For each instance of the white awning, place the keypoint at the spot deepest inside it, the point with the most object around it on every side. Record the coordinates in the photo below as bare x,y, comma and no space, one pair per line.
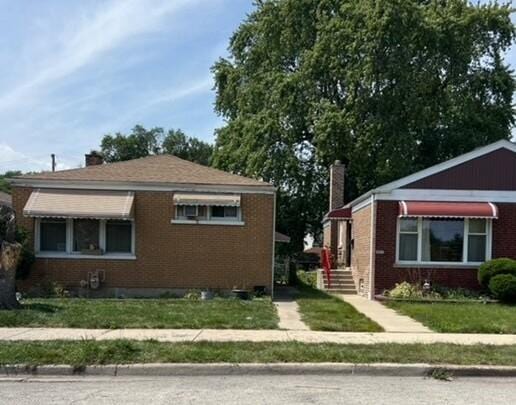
80,204
225,200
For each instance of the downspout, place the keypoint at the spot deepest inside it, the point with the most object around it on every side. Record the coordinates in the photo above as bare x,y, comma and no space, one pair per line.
273,242
373,249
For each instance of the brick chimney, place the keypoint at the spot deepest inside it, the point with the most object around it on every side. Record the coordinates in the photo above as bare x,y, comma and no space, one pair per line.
93,159
337,173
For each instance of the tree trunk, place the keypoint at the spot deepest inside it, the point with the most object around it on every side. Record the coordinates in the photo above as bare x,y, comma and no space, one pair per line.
9,257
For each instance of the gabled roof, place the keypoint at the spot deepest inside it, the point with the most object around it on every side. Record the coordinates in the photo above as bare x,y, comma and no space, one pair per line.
156,169
386,188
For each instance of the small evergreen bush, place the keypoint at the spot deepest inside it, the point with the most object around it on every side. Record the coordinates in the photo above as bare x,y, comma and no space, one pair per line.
494,267
503,287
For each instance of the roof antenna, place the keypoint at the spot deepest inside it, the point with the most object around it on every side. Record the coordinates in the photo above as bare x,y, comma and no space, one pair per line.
53,156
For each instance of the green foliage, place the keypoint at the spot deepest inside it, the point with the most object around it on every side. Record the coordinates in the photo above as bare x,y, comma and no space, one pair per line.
494,267
308,278
387,87
178,144
27,257
142,142
503,287
4,185
406,290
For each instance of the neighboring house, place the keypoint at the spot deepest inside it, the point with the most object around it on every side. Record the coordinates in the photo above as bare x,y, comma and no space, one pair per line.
5,199
147,226
438,224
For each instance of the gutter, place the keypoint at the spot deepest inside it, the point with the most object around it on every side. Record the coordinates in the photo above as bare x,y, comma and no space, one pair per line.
141,186
373,249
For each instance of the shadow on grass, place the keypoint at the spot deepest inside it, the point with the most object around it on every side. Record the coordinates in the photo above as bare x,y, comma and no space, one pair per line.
40,307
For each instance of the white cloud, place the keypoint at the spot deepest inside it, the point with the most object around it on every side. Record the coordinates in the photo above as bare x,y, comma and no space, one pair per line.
109,27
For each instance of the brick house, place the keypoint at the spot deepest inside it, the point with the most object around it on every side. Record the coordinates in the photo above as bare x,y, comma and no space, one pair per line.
147,226
438,224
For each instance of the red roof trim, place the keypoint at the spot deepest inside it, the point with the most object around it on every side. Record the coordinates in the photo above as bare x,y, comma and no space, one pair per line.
339,213
447,209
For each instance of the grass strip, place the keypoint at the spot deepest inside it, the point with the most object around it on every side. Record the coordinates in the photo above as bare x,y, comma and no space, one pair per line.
461,317
89,352
175,313
321,311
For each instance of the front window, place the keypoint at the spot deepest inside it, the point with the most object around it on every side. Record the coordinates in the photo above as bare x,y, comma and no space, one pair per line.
190,212
205,214
86,237
85,234
441,240
52,235
118,236
224,212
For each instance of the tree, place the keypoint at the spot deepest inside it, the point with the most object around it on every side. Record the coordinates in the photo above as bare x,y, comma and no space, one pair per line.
142,142
4,185
10,252
139,143
388,87
178,144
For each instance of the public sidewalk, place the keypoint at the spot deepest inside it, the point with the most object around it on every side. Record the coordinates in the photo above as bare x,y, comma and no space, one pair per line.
387,318
234,335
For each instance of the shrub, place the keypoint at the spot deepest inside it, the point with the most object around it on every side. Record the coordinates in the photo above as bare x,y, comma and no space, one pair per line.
406,290
27,257
494,267
308,278
503,287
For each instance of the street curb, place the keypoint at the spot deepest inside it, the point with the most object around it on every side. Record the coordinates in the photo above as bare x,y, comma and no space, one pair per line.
189,369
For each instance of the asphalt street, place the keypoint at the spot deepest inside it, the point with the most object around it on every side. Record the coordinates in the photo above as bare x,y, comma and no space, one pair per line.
263,389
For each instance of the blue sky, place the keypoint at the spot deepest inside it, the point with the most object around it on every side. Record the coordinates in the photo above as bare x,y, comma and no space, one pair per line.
72,71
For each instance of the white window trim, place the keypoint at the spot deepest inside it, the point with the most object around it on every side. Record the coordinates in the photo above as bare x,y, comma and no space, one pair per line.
231,221
463,263
70,254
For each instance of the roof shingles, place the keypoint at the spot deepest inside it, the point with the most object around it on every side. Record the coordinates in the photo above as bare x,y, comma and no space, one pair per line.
150,169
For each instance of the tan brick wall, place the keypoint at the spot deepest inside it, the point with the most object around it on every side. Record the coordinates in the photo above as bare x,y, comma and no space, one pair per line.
174,256
361,254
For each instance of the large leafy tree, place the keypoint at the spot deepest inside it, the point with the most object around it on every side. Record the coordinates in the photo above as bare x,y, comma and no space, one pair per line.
178,144
139,143
386,86
142,142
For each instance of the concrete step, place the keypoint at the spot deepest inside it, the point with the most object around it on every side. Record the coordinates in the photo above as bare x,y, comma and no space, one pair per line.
340,291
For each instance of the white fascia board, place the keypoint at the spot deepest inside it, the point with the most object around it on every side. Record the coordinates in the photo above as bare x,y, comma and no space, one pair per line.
128,186
449,195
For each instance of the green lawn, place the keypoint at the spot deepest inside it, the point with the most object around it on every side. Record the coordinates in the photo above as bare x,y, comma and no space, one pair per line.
461,317
81,353
321,311
143,313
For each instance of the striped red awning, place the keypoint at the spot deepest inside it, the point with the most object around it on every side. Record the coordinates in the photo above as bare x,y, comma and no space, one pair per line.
339,213
448,209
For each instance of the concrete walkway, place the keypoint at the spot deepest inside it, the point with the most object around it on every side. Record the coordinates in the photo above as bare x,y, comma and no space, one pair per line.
235,335
288,310
387,318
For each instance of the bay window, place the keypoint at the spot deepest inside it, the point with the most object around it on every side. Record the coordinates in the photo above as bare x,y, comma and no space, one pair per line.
443,240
